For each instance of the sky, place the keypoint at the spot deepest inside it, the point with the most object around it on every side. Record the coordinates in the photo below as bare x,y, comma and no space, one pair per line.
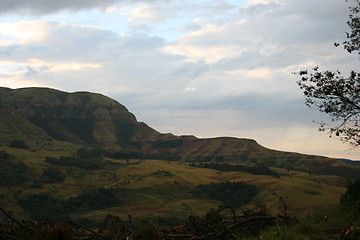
207,68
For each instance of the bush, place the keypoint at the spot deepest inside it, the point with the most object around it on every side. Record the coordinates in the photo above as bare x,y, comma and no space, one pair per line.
145,230
18,144
45,207
12,171
88,159
351,198
53,175
89,153
256,169
233,194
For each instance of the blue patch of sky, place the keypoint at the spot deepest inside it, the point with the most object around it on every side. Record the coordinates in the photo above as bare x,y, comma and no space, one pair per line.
6,38
10,68
97,18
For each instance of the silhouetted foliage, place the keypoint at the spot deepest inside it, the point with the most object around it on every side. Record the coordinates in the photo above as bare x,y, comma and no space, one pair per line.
221,223
335,95
351,197
145,230
234,194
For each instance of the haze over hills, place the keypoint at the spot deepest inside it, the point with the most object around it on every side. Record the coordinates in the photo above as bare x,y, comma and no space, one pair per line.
41,115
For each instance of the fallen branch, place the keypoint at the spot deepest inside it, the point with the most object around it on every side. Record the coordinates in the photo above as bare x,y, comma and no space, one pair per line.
16,221
238,224
87,229
7,236
178,235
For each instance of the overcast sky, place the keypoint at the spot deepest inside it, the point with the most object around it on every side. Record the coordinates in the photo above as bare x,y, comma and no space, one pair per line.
206,68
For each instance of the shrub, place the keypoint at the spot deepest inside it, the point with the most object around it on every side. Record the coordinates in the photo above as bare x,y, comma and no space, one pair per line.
234,194
145,230
256,169
351,197
53,175
12,171
18,144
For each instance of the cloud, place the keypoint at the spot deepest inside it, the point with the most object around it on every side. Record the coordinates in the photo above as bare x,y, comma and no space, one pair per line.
259,8
286,33
225,71
43,7
69,56
24,32
144,16
189,89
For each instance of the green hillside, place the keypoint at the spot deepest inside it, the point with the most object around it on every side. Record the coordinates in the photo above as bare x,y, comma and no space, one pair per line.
80,117
147,188
41,115
83,155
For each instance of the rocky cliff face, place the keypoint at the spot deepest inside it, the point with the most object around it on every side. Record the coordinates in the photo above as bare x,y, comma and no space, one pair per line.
40,115
80,117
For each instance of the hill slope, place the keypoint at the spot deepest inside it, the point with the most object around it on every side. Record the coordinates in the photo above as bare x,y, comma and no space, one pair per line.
88,156
41,115
80,117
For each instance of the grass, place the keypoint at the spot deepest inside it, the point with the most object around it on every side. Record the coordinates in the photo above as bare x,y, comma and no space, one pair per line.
331,223
149,194
14,127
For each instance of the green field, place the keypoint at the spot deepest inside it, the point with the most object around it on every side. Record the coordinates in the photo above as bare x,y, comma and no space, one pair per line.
158,188
141,172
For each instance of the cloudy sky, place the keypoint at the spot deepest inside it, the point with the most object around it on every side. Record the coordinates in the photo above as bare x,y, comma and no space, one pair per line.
206,68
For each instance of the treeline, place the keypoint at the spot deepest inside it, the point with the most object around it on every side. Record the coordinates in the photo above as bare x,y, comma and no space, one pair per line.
45,207
341,171
12,171
122,154
87,159
256,169
340,222
233,194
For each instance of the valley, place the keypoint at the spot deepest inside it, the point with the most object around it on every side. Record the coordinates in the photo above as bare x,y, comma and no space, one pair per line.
81,156
158,188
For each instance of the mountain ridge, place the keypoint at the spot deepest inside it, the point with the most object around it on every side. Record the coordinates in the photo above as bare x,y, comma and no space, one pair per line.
40,115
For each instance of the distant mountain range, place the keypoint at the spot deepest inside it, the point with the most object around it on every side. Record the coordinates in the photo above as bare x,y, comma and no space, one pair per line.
40,116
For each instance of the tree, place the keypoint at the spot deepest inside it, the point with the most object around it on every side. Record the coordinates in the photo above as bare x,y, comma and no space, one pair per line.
351,197
336,95
17,143
53,175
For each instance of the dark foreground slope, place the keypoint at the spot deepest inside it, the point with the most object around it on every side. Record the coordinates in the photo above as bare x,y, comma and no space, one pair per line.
39,116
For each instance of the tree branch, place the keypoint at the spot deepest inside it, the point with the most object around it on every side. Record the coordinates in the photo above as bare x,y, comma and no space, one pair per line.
18,222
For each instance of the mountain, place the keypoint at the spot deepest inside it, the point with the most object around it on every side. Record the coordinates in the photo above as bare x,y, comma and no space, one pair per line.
86,118
82,155
40,116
